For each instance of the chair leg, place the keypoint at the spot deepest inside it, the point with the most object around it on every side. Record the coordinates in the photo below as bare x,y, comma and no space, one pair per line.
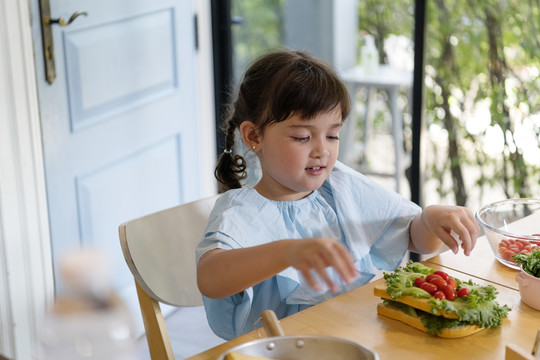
157,336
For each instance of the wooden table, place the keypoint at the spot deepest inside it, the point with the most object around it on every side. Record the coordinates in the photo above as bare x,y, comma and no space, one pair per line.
353,316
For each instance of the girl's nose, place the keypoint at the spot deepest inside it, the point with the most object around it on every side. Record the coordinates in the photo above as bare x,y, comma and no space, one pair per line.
320,150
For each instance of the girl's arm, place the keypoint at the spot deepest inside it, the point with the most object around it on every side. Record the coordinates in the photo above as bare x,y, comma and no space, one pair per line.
222,273
436,223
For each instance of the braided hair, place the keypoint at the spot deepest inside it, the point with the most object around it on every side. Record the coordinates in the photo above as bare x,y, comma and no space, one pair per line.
276,86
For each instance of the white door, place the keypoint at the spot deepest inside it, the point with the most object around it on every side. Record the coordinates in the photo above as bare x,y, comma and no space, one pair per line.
119,123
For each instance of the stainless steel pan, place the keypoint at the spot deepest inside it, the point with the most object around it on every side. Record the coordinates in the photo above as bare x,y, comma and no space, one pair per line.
297,347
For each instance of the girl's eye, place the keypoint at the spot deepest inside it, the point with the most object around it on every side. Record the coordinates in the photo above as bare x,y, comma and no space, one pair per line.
333,137
301,139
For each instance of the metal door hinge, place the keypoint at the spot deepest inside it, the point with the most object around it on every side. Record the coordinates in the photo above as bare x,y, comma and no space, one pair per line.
196,32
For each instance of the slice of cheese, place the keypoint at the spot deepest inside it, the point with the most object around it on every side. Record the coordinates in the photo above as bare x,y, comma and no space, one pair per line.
233,355
418,303
416,322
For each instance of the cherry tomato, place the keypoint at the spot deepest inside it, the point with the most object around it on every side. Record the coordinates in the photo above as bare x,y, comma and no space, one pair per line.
433,276
514,248
463,292
439,295
429,287
509,247
504,243
438,282
507,255
419,281
442,274
452,282
449,292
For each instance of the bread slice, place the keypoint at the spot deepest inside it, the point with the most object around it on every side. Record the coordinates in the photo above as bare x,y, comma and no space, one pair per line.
417,303
416,322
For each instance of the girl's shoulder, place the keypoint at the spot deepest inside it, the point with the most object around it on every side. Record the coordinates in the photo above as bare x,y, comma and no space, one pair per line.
229,197
244,198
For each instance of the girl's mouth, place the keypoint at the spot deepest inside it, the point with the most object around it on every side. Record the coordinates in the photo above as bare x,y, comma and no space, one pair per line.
315,170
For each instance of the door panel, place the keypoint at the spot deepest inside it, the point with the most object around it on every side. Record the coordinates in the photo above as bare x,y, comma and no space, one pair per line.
101,86
121,183
119,124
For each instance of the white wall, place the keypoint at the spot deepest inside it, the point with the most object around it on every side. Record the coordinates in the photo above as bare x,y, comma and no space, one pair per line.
26,281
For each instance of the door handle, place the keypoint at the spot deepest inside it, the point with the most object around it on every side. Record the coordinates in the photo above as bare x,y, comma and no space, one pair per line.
46,34
62,22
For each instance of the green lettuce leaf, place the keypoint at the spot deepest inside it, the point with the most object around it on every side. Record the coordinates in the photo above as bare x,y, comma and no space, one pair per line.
529,261
433,324
409,310
401,281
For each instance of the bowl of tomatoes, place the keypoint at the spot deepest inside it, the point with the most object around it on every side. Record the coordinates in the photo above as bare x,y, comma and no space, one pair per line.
511,226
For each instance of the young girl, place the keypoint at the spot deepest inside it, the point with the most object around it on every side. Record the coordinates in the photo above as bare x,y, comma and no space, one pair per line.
311,228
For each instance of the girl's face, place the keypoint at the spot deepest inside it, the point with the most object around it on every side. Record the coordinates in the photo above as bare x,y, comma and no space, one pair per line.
297,155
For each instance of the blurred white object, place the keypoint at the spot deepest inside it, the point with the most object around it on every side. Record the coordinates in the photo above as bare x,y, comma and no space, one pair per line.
369,56
88,320
86,274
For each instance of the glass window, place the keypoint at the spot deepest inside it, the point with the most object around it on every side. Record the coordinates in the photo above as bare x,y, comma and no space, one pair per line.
482,101
482,88
257,27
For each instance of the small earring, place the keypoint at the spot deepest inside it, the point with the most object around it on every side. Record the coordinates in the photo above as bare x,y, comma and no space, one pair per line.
253,147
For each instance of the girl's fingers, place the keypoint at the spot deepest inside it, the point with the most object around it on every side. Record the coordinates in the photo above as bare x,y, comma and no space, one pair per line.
344,264
320,265
339,258
448,239
474,230
314,256
324,276
467,230
465,237
306,272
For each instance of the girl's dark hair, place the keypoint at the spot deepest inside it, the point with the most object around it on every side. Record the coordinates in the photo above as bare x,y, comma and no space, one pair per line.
276,86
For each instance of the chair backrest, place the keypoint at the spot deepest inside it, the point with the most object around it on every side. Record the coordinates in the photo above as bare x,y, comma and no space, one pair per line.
159,250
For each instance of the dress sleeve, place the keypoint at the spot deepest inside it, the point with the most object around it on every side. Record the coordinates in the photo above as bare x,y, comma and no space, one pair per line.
375,220
216,236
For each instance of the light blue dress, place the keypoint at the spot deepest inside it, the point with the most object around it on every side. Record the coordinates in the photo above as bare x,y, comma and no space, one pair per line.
371,221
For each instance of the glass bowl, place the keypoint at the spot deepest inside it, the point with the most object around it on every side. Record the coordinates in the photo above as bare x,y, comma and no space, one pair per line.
511,226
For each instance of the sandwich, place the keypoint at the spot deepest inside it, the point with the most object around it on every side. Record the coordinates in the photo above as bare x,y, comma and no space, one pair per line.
438,304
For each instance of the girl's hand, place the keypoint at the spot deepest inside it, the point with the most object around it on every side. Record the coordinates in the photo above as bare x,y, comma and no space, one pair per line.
442,220
318,254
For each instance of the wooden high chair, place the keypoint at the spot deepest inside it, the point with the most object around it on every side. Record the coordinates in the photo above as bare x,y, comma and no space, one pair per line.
159,250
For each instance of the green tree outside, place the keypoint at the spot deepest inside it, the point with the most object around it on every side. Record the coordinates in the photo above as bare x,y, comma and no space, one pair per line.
482,86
